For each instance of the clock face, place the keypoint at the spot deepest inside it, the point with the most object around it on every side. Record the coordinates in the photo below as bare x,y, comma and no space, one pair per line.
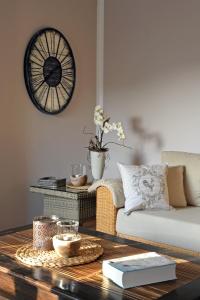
49,71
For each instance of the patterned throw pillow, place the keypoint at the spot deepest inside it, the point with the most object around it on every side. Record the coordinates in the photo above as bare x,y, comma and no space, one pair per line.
145,187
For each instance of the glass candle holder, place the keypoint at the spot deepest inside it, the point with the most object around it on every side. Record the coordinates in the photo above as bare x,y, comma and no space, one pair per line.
67,241
78,175
67,227
44,228
78,170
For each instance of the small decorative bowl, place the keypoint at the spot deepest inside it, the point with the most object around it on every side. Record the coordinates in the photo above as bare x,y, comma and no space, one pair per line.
67,244
78,180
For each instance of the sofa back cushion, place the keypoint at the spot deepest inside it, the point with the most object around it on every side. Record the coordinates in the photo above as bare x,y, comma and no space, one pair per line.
176,187
191,162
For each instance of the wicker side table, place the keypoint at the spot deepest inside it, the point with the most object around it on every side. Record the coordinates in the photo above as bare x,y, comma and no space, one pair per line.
67,203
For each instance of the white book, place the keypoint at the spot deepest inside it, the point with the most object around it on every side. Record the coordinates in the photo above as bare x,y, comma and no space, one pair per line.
140,269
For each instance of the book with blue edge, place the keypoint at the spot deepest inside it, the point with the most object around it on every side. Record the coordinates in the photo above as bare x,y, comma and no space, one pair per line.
139,269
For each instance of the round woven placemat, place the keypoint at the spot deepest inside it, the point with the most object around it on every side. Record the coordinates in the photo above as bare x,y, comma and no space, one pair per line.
89,251
81,188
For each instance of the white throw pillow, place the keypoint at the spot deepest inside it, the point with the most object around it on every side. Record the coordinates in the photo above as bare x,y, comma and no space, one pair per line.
145,187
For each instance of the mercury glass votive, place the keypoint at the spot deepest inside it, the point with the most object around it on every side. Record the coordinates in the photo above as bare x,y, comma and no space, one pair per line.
44,228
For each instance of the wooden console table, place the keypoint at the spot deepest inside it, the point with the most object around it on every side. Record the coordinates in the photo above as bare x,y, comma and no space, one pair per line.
67,203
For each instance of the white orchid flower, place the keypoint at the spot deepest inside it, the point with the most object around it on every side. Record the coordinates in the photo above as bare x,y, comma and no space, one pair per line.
114,126
105,130
118,125
99,109
122,137
98,117
108,126
104,127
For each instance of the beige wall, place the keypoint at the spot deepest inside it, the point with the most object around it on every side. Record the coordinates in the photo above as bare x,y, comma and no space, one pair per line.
34,144
152,76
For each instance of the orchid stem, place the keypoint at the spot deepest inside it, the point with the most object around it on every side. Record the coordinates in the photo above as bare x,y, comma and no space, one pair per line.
117,144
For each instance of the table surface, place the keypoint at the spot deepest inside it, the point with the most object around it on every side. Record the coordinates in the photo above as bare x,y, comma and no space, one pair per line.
18,281
63,192
64,188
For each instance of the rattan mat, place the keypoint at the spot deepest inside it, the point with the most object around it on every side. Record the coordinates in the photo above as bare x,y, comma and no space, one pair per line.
80,188
89,251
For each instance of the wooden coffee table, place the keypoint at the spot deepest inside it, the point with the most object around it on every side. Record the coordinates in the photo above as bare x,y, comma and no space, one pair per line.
18,281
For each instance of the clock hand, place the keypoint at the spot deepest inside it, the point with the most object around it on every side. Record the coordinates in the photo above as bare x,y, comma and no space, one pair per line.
51,72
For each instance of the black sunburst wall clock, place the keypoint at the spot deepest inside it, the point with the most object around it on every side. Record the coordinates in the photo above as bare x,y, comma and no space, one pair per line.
49,71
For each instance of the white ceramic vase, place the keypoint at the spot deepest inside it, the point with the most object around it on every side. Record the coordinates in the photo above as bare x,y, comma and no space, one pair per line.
97,160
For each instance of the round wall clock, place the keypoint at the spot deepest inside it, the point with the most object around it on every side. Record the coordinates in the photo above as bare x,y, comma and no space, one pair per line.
49,71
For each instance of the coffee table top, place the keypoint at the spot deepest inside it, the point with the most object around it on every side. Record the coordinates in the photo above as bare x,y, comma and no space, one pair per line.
86,281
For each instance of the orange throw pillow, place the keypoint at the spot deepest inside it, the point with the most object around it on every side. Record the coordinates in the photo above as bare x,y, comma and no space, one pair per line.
176,187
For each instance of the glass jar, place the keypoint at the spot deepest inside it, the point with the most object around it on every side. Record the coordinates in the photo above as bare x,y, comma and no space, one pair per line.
78,175
67,242
78,170
67,227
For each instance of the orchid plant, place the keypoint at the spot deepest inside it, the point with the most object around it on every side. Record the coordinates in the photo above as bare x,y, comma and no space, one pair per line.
104,126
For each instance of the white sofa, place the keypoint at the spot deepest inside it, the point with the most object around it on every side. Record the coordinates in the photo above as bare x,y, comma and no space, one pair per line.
179,227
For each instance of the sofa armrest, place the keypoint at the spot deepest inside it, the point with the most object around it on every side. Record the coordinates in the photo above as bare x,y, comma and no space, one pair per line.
106,212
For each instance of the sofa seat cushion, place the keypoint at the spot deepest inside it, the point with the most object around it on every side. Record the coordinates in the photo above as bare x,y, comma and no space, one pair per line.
180,227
